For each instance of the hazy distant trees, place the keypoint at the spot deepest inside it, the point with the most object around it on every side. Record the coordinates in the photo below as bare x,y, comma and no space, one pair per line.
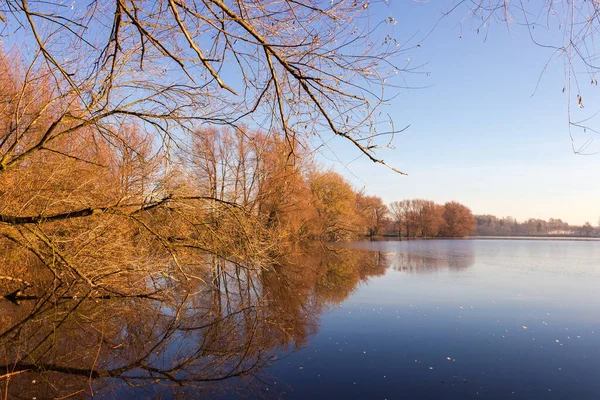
587,229
489,225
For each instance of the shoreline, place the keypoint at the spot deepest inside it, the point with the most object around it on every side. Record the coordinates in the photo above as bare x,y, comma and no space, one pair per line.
550,238
557,238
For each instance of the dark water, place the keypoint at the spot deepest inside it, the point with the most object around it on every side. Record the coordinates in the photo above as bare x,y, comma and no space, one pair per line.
461,319
372,320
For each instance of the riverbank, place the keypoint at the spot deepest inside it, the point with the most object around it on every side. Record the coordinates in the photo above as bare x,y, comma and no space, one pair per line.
559,238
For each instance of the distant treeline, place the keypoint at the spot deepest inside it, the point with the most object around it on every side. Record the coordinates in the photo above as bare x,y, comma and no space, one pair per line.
364,215
420,218
489,225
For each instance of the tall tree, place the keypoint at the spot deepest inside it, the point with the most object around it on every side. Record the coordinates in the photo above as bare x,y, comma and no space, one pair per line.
373,212
397,215
334,201
458,220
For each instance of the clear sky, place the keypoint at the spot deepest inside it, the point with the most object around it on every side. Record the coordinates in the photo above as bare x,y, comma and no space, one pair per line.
478,134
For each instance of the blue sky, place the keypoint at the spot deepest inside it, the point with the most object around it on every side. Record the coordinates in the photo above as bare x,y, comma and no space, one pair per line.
478,133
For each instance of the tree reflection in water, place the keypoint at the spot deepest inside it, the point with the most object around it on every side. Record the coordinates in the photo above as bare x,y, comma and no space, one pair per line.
425,263
422,256
184,338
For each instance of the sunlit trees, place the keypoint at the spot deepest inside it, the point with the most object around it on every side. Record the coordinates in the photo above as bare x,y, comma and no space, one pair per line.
103,105
427,218
256,171
373,212
401,214
284,195
335,203
69,191
397,215
458,220
417,218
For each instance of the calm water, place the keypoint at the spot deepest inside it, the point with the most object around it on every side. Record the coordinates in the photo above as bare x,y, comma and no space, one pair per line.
448,319
460,319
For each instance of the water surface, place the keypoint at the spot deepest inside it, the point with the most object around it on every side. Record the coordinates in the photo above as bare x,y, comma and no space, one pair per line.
487,319
452,319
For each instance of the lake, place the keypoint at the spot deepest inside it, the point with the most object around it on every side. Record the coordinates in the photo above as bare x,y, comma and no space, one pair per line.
452,319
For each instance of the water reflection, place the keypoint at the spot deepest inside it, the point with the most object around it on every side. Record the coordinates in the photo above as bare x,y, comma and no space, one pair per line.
427,319
424,256
184,339
420,263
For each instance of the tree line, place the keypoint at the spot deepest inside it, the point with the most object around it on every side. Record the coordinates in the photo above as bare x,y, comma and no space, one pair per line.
107,206
490,225
295,200
137,138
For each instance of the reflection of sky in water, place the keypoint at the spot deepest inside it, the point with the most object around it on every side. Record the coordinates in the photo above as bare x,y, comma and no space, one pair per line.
450,319
459,319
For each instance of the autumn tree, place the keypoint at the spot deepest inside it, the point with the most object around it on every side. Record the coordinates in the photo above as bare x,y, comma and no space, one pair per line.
402,214
426,218
397,214
458,220
256,171
373,213
335,203
417,217
284,195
